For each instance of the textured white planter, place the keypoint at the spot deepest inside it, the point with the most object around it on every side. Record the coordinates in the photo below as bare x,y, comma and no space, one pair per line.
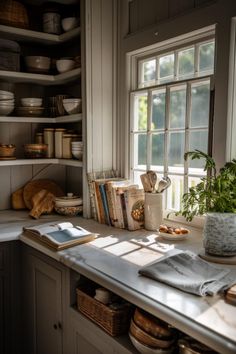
220,234
153,211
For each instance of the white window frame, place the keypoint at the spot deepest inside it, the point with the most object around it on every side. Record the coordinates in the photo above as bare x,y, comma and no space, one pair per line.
173,45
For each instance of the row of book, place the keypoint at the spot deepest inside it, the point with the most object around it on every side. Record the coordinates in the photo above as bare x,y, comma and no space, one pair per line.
117,202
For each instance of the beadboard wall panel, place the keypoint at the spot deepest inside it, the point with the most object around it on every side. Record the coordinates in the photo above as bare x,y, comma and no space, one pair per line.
100,46
57,173
5,186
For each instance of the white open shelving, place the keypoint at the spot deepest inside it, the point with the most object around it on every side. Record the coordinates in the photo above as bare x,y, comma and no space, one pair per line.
62,119
25,35
40,79
22,162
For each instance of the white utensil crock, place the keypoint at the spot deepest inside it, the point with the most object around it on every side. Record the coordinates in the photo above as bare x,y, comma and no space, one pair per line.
153,211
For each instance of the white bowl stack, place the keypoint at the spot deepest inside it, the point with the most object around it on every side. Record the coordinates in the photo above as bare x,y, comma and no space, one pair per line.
77,150
72,105
7,102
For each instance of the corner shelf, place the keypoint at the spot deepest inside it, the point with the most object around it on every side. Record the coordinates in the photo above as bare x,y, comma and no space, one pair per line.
22,162
40,79
61,119
25,35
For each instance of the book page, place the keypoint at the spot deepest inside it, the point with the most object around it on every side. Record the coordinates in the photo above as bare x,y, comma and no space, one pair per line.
41,229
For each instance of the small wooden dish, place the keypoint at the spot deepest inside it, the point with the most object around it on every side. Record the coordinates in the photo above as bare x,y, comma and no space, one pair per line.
7,150
147,339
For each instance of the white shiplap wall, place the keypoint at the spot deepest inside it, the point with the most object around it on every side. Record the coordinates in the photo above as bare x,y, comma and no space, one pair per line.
100,37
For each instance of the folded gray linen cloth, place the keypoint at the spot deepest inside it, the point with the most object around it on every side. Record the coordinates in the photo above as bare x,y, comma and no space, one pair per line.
188,272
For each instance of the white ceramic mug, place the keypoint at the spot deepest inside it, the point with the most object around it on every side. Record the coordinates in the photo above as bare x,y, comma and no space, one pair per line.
153,211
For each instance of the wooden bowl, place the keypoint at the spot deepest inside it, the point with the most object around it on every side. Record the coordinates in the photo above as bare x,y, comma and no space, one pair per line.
34,151
147,339
152,325
145,349
7,150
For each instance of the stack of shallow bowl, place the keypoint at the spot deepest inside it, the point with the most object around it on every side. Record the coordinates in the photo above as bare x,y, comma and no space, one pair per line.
150,335
69,205
37,64
77,150
7,102
35,151
31,107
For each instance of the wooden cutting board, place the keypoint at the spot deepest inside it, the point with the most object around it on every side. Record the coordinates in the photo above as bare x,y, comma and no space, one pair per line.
43,203
17,201
33,187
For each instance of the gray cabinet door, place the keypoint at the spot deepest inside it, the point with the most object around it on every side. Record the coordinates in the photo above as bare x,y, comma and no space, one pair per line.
43,306
9,298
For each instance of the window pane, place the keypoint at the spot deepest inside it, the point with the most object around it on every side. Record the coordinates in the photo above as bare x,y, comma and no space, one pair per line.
158,109
175,192
193,181
177,107
198,140
206,56
166,65
176,151
186,62
199,116
140,151
158,151
140,112
149,70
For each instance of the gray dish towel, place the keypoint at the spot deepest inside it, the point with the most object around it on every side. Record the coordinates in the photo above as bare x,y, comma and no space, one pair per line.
188,272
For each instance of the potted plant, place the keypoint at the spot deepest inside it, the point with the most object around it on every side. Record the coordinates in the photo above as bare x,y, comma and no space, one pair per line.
214,196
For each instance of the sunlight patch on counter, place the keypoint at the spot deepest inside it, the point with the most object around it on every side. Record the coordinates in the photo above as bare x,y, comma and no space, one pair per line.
102,242
122,248
142,256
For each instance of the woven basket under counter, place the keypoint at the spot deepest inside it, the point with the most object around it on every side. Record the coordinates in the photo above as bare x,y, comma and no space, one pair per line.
114,322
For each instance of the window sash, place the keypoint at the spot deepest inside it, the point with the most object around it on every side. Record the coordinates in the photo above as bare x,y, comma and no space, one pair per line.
185,173
157,56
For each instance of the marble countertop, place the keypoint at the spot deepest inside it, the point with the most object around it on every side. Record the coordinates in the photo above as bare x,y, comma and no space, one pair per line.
113,261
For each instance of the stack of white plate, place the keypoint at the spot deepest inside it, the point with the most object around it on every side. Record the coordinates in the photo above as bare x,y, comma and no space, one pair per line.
7,102
77,149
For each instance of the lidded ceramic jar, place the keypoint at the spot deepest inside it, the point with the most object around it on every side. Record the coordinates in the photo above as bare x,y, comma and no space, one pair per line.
48,137
51,19
58,142
66,146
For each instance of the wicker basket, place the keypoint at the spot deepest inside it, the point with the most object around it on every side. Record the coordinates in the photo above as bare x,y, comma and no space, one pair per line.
13,13
7,150
114,322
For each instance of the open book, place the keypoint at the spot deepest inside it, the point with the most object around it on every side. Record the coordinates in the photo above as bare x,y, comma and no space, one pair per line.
58,236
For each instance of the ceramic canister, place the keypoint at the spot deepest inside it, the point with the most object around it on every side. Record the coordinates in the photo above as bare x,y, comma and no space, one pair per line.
153,211
48,137
58,142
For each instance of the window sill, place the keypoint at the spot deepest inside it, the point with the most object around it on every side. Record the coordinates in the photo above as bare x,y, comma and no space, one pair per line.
197,222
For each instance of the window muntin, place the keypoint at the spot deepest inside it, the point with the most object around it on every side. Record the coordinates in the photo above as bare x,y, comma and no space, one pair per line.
188,62
175,120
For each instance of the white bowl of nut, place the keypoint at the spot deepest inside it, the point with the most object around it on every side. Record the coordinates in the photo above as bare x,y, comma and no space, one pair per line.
173,233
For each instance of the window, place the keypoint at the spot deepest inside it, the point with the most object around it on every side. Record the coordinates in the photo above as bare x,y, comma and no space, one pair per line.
170,110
